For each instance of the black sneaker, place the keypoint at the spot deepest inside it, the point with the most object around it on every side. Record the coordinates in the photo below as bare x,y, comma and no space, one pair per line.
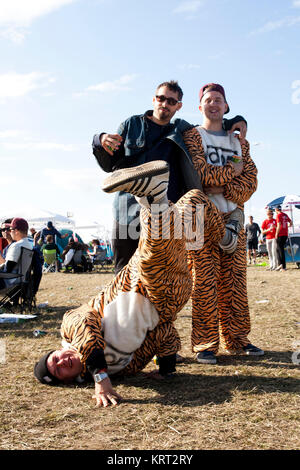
252,350
206,357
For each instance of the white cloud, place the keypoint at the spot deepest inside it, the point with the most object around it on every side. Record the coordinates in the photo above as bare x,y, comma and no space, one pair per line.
10,133
296,3
17,139
15,35
82,179
5,159
188,7
190,66
9,181
16,16
120,84
14,85
273,25
39,146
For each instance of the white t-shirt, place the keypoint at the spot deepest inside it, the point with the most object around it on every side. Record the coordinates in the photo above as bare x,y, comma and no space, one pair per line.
14,254
218,147
127,320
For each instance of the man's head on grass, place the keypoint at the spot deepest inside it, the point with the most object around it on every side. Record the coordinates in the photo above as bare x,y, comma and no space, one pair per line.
58,366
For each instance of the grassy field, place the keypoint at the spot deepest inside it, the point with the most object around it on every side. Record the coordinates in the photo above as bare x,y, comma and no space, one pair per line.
241,403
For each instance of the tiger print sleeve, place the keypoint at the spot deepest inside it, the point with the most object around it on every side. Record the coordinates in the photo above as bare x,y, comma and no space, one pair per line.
210,175
241,188
82,329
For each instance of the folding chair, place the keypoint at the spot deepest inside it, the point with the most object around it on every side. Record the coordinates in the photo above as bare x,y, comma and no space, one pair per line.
50,261
100,259
21,291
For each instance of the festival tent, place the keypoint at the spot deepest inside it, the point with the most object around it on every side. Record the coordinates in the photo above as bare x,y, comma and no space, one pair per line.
62,242
291,205
98,232
38,218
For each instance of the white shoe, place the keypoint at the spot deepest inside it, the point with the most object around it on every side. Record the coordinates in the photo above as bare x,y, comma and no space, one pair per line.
279,268
149,180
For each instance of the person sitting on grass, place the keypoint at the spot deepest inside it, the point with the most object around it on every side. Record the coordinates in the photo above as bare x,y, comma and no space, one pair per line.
73,256
121,329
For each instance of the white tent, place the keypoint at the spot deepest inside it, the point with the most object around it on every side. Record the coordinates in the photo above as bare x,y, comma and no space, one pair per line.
89,232
38,218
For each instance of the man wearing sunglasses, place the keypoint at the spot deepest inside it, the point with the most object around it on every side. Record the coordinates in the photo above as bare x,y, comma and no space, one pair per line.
141,139
6,234
3,241
18,229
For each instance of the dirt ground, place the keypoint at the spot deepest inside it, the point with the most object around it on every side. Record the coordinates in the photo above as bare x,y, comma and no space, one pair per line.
241,403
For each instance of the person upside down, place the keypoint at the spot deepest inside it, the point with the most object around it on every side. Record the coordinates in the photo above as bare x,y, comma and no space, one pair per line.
121,329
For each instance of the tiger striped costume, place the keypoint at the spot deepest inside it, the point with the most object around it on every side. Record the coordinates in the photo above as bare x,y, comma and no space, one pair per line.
219,300
132,319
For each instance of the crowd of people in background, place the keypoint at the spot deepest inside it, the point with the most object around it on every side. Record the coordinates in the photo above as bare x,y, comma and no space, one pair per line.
15,234
274,233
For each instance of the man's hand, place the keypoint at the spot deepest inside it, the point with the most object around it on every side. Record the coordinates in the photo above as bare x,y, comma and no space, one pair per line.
105,394
240,126
110,142
238,167
210,190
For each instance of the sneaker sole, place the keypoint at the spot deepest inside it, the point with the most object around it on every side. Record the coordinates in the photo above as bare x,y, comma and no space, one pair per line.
253,353
241,352
157,167
204,361
207,361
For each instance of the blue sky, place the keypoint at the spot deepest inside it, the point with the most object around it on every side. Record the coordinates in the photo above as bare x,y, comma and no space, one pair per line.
72,68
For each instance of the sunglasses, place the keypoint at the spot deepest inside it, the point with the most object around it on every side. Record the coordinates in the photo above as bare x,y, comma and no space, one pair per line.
170,101
5,229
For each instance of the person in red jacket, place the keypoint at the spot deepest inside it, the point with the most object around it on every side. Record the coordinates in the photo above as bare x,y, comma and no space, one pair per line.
269,230
282,231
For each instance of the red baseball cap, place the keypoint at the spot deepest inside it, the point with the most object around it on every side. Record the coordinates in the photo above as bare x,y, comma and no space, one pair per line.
213,87
19,224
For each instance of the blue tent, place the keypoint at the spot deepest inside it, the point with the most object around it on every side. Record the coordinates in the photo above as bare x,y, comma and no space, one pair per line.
62,242
285,201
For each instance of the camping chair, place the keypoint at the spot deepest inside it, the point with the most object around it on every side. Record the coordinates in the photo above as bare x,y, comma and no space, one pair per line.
21,291
50,261
100,259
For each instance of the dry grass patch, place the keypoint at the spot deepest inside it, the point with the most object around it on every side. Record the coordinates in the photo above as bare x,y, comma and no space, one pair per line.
242,403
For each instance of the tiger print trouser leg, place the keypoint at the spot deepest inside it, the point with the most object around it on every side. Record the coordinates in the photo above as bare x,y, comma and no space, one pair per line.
164,271
232,299
219,298
162,341
205,269
163,263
